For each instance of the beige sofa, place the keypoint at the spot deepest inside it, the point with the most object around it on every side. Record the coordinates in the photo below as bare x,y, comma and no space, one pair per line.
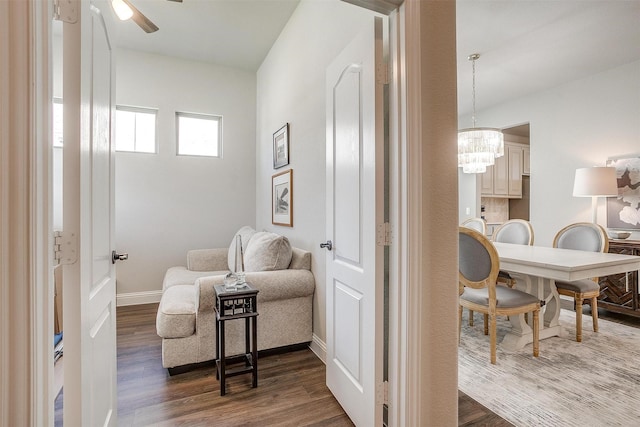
282,275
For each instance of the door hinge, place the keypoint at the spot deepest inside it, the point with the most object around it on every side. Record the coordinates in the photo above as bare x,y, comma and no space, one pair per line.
382,393
65,11
65,247
383,234
382,73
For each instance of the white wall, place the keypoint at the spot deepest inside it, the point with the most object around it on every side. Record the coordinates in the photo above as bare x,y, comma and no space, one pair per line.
291,89
575,125
168,204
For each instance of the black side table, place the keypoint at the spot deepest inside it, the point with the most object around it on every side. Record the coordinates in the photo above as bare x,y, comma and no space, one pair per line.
240,303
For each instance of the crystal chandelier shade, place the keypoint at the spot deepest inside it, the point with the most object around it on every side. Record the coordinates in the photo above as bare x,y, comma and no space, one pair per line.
478,147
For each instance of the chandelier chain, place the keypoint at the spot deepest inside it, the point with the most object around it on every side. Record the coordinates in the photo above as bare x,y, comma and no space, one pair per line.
473,89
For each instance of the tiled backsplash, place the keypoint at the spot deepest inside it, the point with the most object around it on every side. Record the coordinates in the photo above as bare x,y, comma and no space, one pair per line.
496,210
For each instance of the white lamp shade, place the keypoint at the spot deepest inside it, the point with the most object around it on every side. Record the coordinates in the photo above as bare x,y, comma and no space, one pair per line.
595,182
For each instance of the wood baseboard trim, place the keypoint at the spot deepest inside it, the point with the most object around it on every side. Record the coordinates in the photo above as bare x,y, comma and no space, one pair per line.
319,348
136,298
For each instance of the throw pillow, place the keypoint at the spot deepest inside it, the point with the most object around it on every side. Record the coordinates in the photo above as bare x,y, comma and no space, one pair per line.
267,252
246,233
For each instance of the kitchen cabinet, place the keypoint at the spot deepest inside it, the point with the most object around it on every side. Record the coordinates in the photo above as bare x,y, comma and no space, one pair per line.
619,292
504,178
526,160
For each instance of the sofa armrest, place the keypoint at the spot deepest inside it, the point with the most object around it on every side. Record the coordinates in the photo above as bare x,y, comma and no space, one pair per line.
207,259
282,284
206,294
272,286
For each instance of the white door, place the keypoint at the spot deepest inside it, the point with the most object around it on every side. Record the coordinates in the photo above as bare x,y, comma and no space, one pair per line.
355,198
89,275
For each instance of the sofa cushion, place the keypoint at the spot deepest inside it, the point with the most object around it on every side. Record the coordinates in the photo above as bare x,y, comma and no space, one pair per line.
177,312
245,233
181,276
267,252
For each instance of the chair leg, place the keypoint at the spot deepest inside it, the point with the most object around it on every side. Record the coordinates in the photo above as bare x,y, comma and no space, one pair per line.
470,317
459,323
492,338
536,333
486,324
578,300
594,313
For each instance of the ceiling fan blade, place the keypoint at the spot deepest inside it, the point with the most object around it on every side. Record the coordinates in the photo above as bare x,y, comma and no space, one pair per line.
142,21
177,1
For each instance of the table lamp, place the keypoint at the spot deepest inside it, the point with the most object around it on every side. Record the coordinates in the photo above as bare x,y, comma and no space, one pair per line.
594,182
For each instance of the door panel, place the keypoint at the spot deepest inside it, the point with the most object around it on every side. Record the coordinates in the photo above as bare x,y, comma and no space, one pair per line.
347,354
355,197
90,285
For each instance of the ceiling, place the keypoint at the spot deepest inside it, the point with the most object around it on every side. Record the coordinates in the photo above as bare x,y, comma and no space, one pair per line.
233,33
526,45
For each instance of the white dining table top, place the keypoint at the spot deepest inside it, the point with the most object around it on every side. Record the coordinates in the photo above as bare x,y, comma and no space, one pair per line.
562,264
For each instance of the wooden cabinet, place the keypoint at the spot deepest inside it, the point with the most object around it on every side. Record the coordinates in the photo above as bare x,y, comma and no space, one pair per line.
619,292
526,160
514,181
504,178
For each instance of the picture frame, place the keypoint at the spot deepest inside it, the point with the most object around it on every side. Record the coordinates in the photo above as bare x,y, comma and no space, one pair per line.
282,198
281,147
623,211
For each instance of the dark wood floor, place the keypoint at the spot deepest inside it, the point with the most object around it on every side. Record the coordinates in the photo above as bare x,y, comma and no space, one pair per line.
291,390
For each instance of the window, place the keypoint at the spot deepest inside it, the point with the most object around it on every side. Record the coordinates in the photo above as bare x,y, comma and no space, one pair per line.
136,129
199,134
57,122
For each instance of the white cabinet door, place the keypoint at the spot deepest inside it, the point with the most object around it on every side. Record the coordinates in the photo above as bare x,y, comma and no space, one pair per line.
486,182
514,154
501,175
526,161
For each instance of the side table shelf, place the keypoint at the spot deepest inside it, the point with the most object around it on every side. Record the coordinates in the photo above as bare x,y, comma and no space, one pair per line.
619,292
241,303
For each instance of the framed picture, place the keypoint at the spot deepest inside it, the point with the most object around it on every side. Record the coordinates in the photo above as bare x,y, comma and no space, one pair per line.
623,212
282,198
281,147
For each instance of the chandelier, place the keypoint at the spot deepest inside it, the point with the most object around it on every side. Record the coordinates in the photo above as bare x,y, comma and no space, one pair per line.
478,147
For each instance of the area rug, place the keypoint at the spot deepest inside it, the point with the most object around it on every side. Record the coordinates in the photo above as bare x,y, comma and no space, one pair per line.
592,383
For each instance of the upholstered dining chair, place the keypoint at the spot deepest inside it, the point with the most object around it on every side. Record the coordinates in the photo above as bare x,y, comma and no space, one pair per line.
515,231
584,236
478,269
478,224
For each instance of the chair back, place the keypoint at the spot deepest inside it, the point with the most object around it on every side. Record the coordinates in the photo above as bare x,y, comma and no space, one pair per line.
516,231
583,236
477,224
478,260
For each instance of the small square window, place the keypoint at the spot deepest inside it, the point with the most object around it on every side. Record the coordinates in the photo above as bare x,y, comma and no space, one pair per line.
199,134
136,129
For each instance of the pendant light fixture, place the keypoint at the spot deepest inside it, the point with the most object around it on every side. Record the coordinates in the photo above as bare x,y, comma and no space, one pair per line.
478,147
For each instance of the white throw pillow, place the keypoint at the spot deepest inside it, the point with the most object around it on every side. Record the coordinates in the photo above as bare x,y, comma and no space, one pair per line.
267,252
246,233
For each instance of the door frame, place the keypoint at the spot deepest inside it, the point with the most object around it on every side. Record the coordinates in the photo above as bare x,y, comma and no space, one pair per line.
26,326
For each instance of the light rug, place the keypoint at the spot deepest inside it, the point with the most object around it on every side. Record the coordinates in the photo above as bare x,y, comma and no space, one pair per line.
592,383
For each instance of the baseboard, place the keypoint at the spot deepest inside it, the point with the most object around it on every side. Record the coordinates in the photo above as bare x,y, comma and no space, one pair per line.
136,298
319,348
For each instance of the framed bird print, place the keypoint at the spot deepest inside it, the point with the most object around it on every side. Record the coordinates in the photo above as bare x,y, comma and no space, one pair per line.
282,198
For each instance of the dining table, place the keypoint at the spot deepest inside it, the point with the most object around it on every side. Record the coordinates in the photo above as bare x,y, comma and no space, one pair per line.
536,268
